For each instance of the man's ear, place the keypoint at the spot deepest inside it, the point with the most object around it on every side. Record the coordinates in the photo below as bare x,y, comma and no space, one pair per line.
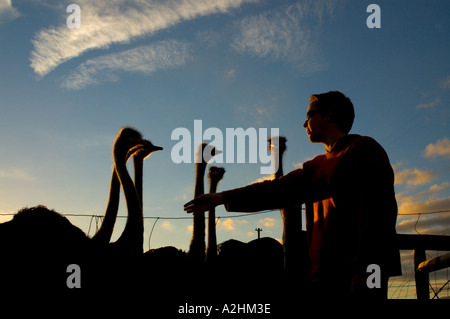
327,116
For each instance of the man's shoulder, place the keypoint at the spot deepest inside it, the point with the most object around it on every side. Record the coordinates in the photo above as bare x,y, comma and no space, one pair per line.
362,141
352,144
366,146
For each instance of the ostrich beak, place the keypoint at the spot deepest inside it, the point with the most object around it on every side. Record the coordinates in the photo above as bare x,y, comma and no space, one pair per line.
149,146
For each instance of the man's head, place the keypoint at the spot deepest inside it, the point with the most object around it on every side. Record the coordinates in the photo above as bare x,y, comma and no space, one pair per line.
331,110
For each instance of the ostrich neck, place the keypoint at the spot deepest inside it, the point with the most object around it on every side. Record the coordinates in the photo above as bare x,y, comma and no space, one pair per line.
278,162
132,236
197,245
138,162
213,185
103,235
211,250
199,179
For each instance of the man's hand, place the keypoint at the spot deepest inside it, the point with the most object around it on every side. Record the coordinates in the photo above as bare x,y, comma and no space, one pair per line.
203,203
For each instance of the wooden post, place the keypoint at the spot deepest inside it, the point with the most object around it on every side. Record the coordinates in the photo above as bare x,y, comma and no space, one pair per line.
259,230
422,279
435,264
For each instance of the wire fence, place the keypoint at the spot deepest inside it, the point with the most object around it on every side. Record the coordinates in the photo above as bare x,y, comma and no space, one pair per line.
401,287
404,287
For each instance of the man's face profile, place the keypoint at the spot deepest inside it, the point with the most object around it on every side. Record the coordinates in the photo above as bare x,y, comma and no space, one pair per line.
314,123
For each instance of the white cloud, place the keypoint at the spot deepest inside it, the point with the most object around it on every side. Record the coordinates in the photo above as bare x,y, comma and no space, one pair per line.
267,222
430,105
7,11
283,35
167,225
144,59
264,178
208,38
432,224
415,205
229,224
445,84
414,177
258,114
440,148
230,74
105,22
297,165
300,164
16,174
434,199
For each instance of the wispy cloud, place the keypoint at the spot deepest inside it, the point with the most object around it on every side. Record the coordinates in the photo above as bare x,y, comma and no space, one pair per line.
7,11
429,105
167,225
267,222
144,59
258,114
413,177
230,224
439,93
105,22
16,173
284,34
432,224
445,84
208,38
440,148
433,200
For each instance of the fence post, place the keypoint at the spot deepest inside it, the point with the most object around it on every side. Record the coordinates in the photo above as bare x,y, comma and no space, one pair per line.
422,279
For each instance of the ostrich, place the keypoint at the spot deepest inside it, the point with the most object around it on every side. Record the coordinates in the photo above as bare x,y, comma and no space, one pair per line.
215,176
104,233
132,238
205,153
294,240
42,243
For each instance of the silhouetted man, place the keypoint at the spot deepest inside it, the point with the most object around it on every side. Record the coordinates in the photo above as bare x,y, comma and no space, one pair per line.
348,193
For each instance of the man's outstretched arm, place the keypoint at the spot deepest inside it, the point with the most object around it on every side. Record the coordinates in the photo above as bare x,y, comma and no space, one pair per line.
289,190
204,203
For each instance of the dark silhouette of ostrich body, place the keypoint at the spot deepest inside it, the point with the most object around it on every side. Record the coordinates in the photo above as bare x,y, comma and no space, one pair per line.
41,243
247,264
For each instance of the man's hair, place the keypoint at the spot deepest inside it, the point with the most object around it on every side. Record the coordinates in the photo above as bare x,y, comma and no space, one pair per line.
338,106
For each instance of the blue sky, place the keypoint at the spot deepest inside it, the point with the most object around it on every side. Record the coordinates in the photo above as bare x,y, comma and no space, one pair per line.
160,65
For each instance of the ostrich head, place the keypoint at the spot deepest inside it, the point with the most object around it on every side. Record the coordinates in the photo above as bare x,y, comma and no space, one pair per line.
205,152
216,173
130,142
277,144
143,149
